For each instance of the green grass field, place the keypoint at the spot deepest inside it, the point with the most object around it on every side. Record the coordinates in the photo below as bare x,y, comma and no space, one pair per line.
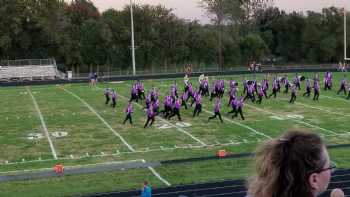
95,134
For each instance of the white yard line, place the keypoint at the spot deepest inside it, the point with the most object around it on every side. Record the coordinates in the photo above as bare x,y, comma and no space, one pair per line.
318,108
164,149
241,125
157,175
183,131
321,109
298,121
177,127
334,98
161,119
295,120
54,153
116,154
316,127
104,122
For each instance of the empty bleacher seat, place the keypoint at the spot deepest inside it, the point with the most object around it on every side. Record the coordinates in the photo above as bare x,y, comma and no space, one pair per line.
28,72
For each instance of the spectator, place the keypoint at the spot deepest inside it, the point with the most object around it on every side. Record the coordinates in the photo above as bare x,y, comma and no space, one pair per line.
92,79
252,66
95,77
340,66
337,193
296,164
343,68
257,67
146,190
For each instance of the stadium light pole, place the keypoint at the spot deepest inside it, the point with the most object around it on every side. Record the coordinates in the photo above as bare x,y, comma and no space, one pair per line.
132,39
345,45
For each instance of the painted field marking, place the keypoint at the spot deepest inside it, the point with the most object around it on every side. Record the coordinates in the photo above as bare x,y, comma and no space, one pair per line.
295,116
156,174
167,122
241,125
183,124
286,117
103,120
163,126
116,82
295,120
318,108
72,167
43,123
59,134
302,122
35,136
277,117
118,154
334,98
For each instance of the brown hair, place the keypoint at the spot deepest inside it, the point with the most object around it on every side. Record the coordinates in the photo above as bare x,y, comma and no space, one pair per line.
284,165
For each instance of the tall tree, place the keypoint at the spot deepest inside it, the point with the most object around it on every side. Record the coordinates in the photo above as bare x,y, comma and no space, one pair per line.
78,11
118,53
217,11
312,36
252,7
253,47
95,43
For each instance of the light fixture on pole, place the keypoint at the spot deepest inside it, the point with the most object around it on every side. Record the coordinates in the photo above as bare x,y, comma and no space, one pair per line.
132,39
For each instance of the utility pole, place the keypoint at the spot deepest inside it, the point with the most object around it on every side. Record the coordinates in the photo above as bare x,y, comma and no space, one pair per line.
132,39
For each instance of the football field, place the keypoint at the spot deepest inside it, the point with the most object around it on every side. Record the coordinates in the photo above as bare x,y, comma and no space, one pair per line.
70,124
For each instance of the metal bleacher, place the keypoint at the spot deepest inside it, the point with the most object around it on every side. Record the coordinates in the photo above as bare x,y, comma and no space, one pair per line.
22,70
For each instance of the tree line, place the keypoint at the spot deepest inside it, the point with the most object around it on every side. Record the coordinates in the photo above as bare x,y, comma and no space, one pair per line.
77,35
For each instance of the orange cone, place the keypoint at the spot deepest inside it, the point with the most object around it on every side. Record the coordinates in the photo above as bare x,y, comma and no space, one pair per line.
59,169
221,153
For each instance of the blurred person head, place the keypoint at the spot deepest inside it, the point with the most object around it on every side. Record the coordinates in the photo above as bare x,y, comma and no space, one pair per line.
295,164
337,193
